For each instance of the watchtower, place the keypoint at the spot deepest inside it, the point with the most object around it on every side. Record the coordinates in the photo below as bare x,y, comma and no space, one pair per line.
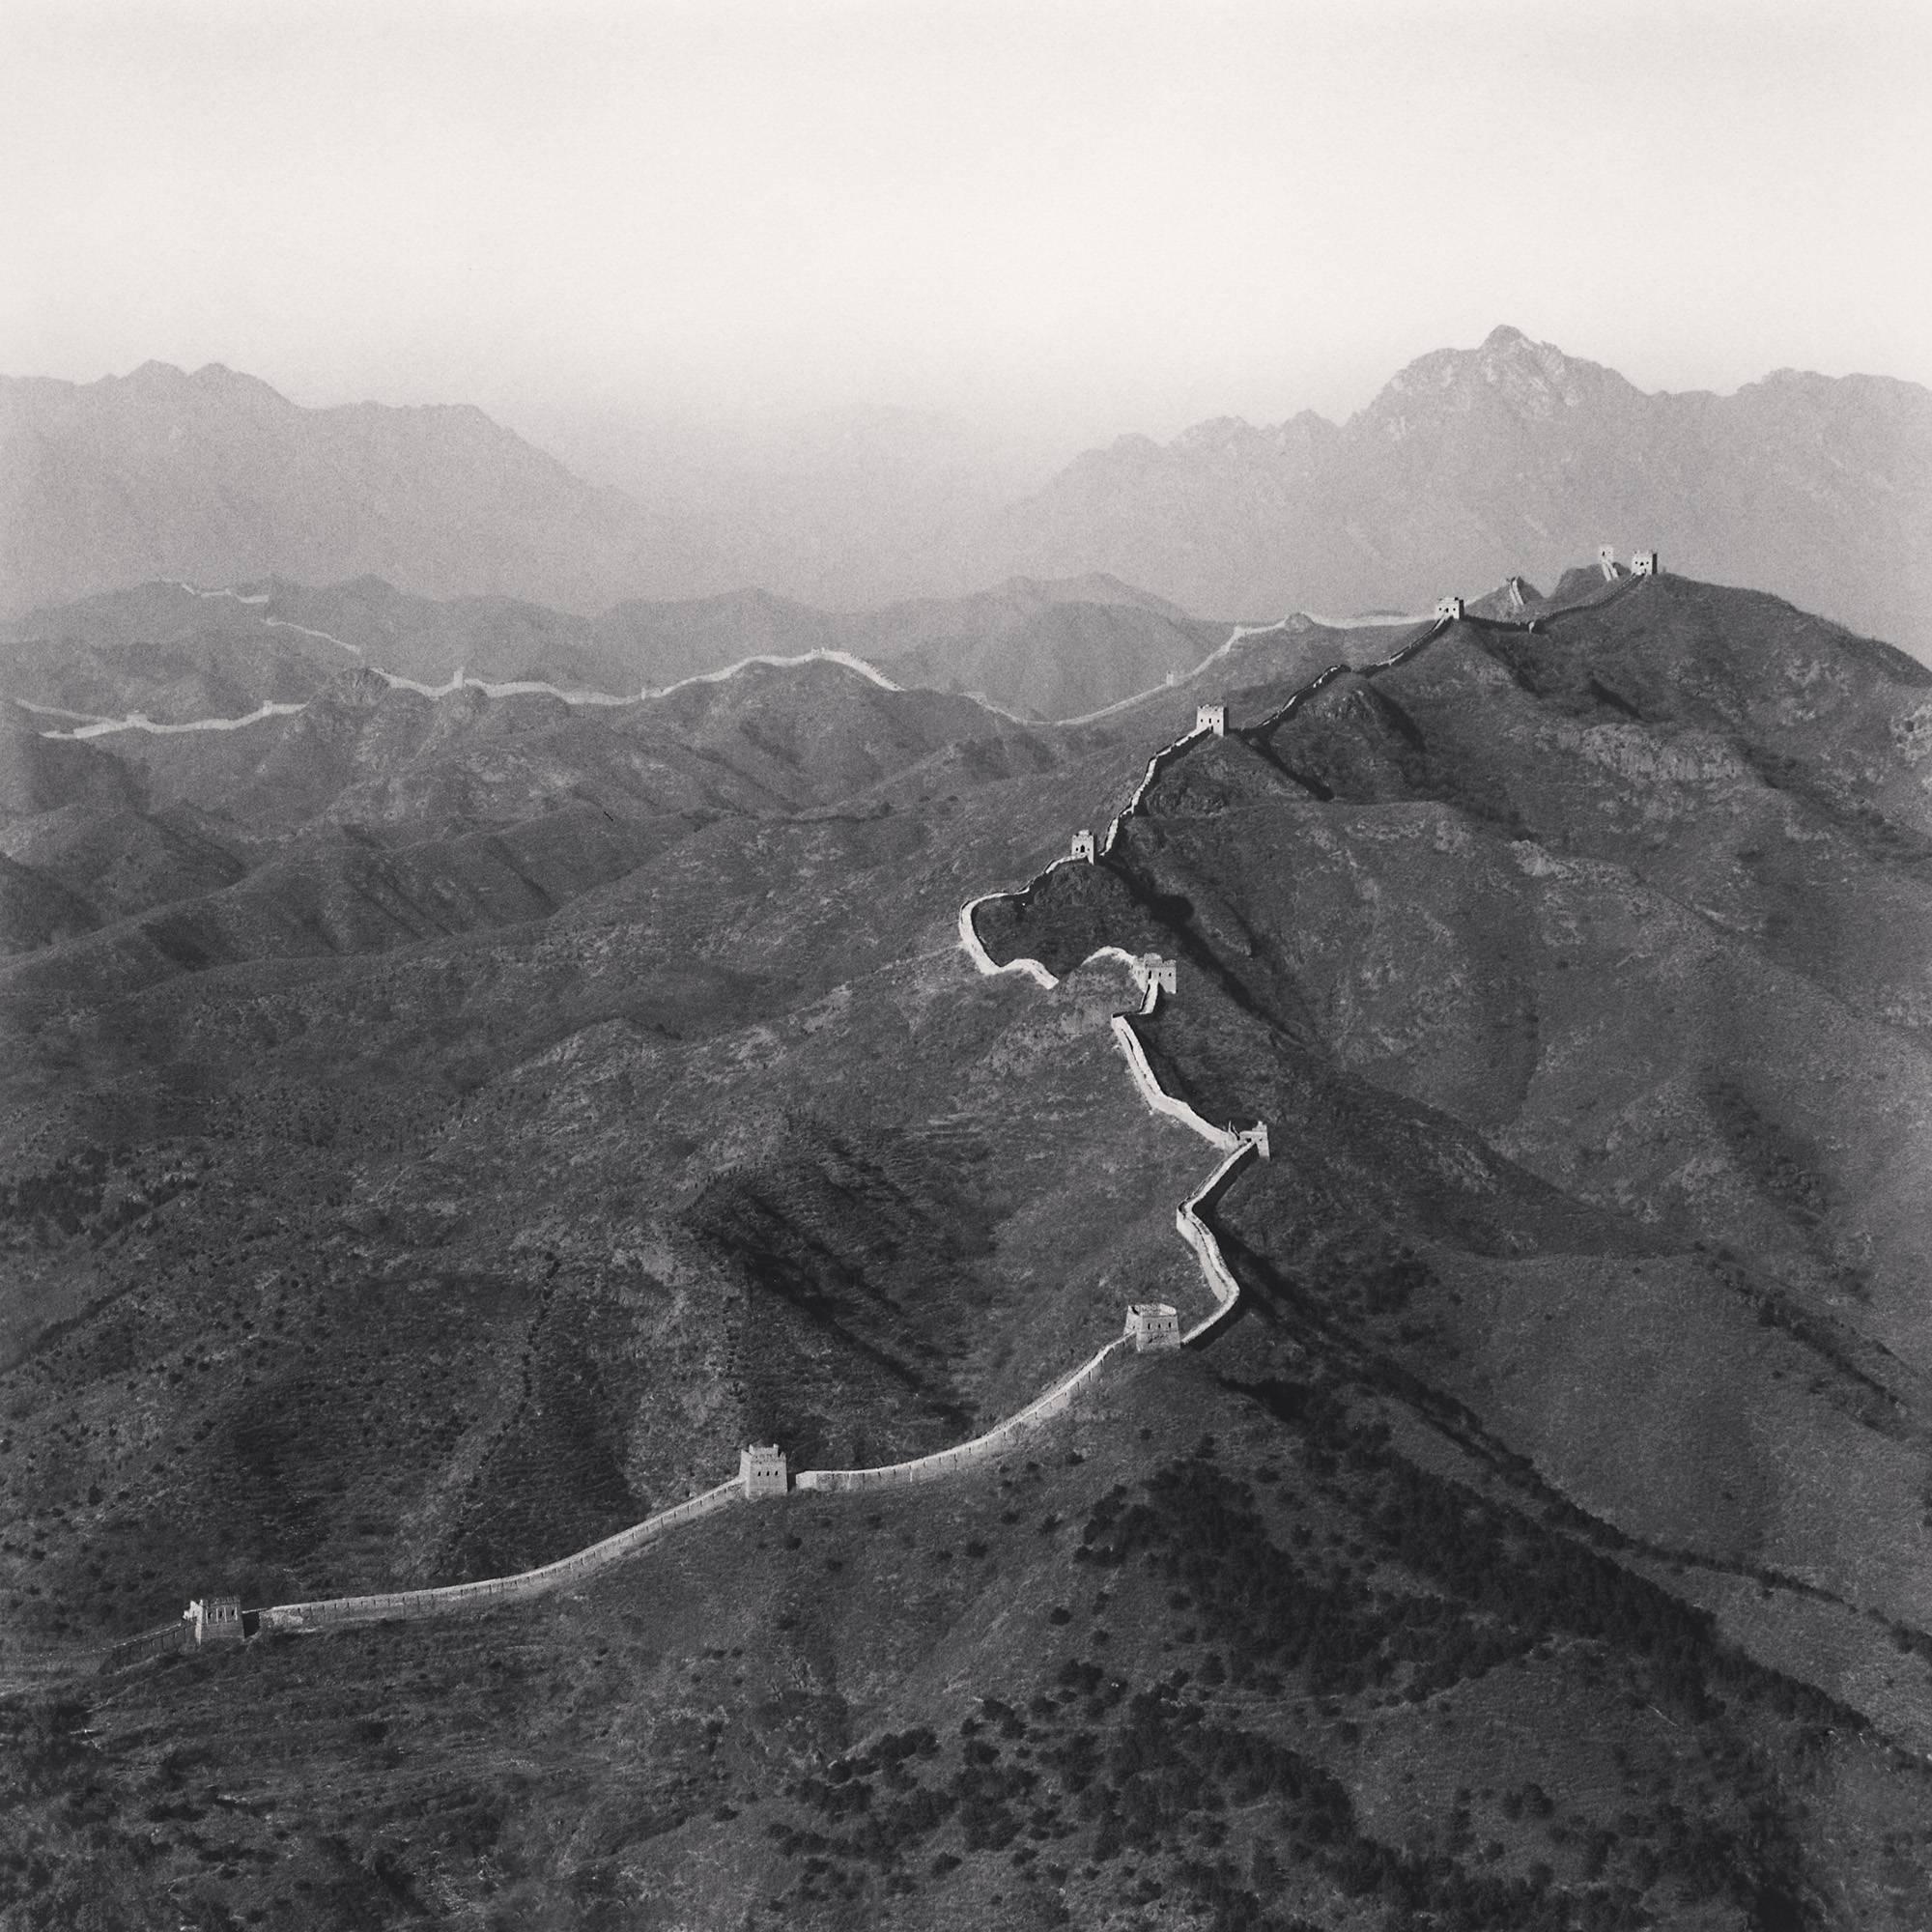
1211,718
1084,848
215,1619
1644,563
1256,1137
1450,607
762,1468
1606,561
1153,1324
1151,970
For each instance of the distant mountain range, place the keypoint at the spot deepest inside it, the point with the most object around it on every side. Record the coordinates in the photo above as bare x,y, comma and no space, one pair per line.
216,478
1469,465
1512,457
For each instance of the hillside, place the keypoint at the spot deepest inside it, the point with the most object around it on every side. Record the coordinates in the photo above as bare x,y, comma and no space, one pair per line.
175,653
1513,456
556,1097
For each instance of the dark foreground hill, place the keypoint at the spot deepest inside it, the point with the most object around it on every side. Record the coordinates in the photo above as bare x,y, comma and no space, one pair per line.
1542,1548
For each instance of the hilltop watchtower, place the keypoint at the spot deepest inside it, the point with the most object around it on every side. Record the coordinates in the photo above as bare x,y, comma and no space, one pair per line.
1211,718
1450,607
762,1468
1256,1137
1085,850
1151,970
1644,563
1153,1324
214,1619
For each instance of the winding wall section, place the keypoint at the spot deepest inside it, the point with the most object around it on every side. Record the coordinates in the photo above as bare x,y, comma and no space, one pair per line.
1236,1150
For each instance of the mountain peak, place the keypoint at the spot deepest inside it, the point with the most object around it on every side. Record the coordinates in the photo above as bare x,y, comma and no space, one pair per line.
1528,380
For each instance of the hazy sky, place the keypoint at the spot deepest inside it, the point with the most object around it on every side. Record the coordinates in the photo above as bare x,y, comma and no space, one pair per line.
1100,216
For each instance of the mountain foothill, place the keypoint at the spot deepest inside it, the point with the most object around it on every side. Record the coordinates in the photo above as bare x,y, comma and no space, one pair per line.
444,1127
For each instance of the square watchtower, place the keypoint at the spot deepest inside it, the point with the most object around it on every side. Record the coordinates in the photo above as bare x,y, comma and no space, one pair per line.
762,1468
214,1619
1085,850
1450,607
1644,563
1213,718
1153,1324
1151,970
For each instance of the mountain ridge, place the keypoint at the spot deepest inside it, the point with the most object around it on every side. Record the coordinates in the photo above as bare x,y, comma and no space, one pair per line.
1470,464
217,476
1465,465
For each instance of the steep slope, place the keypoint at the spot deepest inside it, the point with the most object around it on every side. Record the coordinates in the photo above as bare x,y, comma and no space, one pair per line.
1511,456
1578,957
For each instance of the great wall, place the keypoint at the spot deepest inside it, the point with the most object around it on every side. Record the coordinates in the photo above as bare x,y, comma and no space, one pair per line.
762,1471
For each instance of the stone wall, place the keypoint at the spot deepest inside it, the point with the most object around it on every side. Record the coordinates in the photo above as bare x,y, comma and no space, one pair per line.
335,1612
1196,1233
981,1449
1158,1099
338,1612
158,1642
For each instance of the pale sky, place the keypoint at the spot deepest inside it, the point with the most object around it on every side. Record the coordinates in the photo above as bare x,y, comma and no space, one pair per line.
1102,216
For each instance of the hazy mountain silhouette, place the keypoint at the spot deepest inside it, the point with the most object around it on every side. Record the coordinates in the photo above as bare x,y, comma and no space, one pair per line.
1513,456
215,478
1469,465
